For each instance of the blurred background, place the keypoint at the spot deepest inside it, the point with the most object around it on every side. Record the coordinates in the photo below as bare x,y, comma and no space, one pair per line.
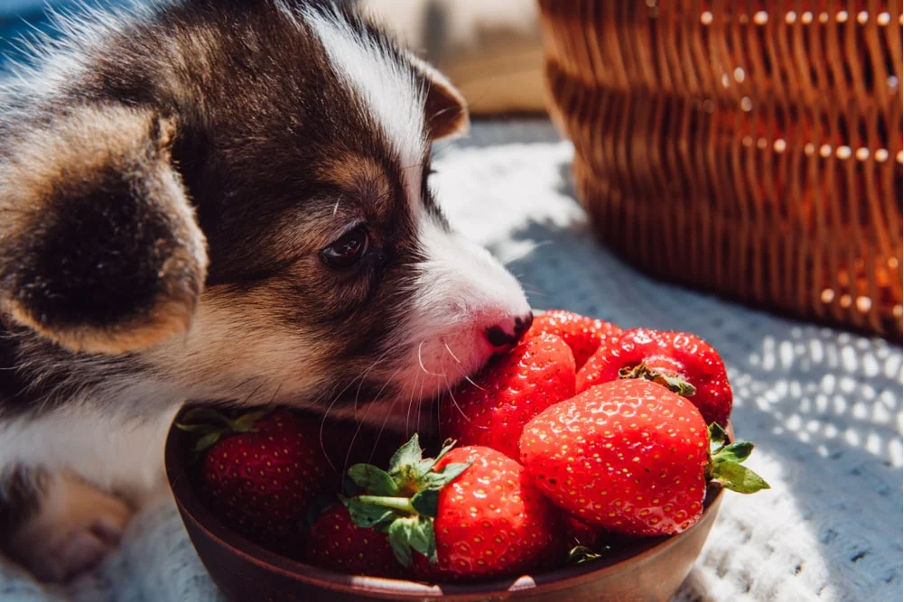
18,18
491,50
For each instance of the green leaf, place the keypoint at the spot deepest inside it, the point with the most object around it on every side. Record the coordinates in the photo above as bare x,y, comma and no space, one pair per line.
674,383
368,515
420,470
438,480
426,502
420,535
203,415
408,455
448,444
398,540
412,534
638,371
582,554
737,477
373,480
196,428
208,441
725,467
736,452
245,423
716,432
349,488
453,469
717,437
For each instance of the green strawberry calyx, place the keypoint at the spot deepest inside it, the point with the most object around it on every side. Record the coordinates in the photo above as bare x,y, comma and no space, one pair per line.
580,554
403,501
211,425
725,468
672,382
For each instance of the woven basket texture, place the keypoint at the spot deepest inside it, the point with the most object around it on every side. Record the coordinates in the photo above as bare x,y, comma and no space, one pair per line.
749,148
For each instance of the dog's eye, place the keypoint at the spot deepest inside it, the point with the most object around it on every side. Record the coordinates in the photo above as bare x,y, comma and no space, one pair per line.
347,250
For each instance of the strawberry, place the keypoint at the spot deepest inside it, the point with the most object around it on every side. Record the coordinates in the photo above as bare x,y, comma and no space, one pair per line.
632,457
489,521
347,442
579,533
583,334
588,542
684,363
335,542
259,471
492,410
469,513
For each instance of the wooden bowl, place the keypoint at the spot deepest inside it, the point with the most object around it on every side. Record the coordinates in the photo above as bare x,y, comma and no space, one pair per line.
650,569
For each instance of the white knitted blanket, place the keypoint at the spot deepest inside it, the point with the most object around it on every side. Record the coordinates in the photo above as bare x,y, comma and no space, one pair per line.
824,406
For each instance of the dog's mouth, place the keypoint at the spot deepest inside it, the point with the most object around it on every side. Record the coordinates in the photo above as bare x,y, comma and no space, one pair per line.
404,404
394,413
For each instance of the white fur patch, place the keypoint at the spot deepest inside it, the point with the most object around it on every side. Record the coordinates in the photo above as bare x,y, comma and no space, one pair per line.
389,90
468,279
461,291
110,452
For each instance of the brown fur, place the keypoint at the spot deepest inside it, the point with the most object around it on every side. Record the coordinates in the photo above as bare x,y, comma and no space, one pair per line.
358,175
207,122
71,159
169,202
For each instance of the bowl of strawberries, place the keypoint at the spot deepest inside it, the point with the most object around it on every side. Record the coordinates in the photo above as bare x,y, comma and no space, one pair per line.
586,463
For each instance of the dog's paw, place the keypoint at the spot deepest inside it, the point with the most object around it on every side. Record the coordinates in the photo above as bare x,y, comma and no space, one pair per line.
75,528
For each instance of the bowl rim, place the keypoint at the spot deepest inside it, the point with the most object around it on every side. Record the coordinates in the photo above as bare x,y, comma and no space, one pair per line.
192,509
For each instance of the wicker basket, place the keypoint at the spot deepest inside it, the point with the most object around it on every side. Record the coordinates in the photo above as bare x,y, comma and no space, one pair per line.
751,148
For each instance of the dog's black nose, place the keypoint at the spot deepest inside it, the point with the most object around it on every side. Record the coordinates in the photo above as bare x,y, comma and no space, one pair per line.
511,333
522,325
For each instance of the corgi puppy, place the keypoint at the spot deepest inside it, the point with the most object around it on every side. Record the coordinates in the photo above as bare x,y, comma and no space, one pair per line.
223,200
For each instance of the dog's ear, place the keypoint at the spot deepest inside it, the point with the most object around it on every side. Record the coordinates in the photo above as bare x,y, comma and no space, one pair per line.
446,108
100,250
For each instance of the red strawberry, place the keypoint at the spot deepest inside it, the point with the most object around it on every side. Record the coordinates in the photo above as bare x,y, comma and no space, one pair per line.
335,542
490,520
592,538
583,334
579,533
347,442
467,514
587,542
685,363
630,456
260,472
535,374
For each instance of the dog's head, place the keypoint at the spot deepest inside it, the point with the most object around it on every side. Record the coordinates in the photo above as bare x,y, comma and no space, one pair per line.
232,199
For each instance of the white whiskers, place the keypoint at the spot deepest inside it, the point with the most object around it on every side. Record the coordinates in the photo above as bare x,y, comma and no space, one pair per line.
363,421
464,374
420,361
338,395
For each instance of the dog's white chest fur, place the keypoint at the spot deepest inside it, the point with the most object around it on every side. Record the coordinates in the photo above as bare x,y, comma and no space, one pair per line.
116,455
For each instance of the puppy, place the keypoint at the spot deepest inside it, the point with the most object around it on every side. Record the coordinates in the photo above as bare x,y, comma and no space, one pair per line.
217,200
